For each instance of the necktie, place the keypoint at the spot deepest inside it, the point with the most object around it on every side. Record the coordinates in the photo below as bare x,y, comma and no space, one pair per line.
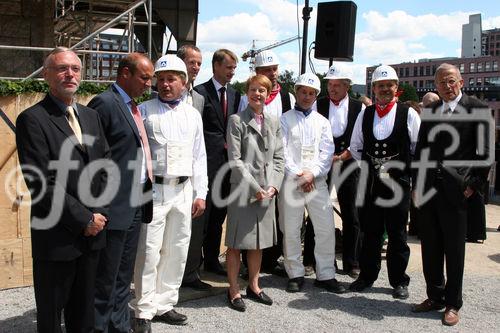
144,139
223,103
73,123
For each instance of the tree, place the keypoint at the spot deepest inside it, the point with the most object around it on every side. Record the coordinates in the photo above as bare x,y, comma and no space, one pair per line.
287,80
409,93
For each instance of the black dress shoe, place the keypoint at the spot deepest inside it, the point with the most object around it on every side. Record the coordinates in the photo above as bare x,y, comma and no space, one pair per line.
331,285
142,325
276,270
427,305
237,303
172,317
360,285
295,285
197,285
401,292
215,268
260,297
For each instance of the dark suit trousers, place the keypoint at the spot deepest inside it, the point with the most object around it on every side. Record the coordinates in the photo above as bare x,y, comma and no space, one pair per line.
115,273
442,231
476,217
214,218
376,219
191,272
67,285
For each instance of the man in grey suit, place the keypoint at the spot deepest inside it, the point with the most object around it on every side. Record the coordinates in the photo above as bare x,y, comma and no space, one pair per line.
128,142
191,55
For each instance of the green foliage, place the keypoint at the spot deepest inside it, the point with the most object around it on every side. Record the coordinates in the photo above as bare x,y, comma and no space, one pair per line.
409,93
239,87
14,88
287,80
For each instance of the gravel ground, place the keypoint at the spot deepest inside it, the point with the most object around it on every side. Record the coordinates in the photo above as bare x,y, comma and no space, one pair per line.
308,311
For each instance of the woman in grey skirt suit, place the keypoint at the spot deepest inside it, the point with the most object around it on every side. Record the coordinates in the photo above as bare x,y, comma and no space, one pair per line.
255,151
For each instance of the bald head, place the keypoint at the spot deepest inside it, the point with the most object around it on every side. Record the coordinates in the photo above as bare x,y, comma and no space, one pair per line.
429,98
135,72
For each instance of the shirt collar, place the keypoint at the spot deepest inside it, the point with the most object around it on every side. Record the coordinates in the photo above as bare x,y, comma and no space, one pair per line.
126,98
63,106
452,104
217,84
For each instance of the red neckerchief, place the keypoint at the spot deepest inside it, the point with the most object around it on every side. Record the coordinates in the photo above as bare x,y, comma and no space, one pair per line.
273,95
382,111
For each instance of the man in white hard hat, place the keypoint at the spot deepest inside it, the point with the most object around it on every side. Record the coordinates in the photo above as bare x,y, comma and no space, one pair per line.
175,133
342,112
308,148
280,100
385,134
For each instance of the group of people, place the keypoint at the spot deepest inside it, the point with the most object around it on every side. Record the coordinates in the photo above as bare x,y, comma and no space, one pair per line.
126,193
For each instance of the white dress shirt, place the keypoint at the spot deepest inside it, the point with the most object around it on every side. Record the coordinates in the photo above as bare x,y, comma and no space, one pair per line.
382,128
311,127
338,116
181,123
451,104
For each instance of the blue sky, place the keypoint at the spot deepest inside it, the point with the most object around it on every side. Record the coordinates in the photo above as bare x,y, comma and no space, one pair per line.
386,31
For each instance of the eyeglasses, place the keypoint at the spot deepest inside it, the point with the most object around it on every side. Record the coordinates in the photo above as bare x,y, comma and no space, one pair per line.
65,68
448,83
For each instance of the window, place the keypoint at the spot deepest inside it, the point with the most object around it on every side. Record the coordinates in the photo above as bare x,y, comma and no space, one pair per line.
427,70
462,68
487,66
421,84
472,67
407,71
479,67
421,71
479,81
414,84
495,66
401,72
471,82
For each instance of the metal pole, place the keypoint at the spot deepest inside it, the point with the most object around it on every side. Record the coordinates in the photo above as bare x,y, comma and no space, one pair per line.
306,11
104,27
150,28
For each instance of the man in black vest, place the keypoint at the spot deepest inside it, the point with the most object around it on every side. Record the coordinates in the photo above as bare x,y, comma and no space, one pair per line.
384,138
456,177
342,112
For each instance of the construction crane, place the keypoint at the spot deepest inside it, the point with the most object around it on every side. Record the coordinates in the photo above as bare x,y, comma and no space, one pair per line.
253,51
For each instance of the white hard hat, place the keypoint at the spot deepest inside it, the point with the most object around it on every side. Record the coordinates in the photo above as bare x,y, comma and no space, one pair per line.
170,62
308,80
337,73
384,72
266,58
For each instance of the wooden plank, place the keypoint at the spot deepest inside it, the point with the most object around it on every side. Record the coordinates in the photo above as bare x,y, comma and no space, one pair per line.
27,262
11,263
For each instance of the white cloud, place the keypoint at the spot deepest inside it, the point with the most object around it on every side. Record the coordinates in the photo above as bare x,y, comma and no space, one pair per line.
491,23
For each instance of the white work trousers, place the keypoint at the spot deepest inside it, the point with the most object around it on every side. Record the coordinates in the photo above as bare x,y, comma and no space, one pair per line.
292,201
162,251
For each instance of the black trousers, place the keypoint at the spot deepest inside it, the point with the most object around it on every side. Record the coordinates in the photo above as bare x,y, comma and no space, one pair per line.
68,286
376,219
214,218
194,258
115,274
476,217
443,226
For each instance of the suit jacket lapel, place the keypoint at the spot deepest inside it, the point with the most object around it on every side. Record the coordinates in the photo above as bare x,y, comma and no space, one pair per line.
126,112
262,135
230,101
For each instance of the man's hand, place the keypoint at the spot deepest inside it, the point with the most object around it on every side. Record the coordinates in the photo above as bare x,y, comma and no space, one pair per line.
468,192
261,195
306,181
337,158
198,207
98,223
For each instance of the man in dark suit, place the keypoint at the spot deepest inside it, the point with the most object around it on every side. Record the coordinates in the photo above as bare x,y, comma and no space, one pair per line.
191,55
443,217
130,152
342,112
57,139
221,101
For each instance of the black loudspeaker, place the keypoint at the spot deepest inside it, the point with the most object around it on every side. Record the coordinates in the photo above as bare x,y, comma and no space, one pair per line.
335,28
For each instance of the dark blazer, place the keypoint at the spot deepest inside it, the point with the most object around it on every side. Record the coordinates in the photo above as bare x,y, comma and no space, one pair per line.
214,125
125,145
41,131
455,178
